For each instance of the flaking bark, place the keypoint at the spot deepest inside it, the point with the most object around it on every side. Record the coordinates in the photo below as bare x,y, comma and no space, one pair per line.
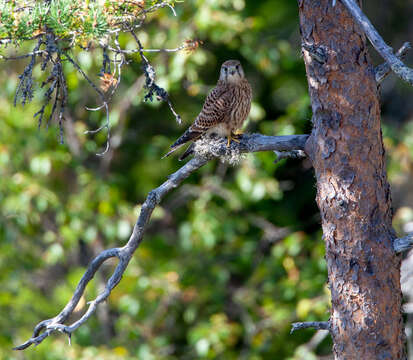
353,194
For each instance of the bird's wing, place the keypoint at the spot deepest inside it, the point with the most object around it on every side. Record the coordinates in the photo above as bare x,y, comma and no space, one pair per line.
189,150
217,108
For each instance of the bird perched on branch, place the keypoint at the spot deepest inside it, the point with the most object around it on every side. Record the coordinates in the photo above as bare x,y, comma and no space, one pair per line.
225,109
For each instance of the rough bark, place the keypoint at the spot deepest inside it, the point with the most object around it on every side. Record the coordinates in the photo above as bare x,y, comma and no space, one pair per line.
353,194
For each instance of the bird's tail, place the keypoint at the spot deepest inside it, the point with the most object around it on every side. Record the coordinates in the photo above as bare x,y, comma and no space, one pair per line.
188,135
189,150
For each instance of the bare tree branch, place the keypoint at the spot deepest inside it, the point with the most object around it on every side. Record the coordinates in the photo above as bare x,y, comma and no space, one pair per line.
318,325
249,143
188,45
19,57
384,69
124,255
403,244
398,67
134,51
254,143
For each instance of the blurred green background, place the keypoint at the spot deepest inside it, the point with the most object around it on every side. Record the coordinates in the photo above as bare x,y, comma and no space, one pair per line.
233,256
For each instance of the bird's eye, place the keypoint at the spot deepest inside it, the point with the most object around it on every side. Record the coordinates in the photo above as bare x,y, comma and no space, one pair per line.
225,69
237,67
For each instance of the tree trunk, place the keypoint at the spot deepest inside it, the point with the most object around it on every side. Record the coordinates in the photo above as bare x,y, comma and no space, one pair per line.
353,194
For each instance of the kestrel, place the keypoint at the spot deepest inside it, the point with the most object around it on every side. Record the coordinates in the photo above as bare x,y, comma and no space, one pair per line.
225,109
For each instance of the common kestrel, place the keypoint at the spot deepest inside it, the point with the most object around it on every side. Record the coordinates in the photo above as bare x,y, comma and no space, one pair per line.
225,109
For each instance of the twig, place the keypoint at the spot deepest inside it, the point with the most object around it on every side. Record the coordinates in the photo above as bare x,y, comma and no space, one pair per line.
398,67
134,51
293,154
250,143
159,6
381,71
19,57
318,325
91,83
403,244
117,64
25,86
152,87
172,9
104,105
63,97
316,340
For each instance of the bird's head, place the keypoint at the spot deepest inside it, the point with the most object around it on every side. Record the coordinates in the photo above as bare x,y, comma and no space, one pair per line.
231,71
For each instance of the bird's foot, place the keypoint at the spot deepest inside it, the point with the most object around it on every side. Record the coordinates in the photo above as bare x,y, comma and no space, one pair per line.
230,138
236,135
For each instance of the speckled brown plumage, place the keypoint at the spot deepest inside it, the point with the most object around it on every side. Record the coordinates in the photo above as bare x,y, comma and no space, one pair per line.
225,109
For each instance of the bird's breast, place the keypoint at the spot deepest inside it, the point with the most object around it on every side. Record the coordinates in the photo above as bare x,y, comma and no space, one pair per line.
221,130
241,106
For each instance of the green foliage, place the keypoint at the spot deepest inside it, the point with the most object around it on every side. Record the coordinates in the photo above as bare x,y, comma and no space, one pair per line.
73,20
212,278
230,259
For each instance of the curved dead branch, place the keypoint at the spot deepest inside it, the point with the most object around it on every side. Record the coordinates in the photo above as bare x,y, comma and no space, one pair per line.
248,143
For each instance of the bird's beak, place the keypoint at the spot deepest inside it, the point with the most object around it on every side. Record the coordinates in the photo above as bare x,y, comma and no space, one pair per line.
232,72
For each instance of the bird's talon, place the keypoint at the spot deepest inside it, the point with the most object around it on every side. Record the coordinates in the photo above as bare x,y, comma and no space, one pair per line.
231,138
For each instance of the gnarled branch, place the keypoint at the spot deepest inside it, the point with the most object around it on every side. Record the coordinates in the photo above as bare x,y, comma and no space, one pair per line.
249,143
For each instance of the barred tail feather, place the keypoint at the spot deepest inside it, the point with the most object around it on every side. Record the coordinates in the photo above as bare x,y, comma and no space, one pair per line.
189,150
188,135
172,151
